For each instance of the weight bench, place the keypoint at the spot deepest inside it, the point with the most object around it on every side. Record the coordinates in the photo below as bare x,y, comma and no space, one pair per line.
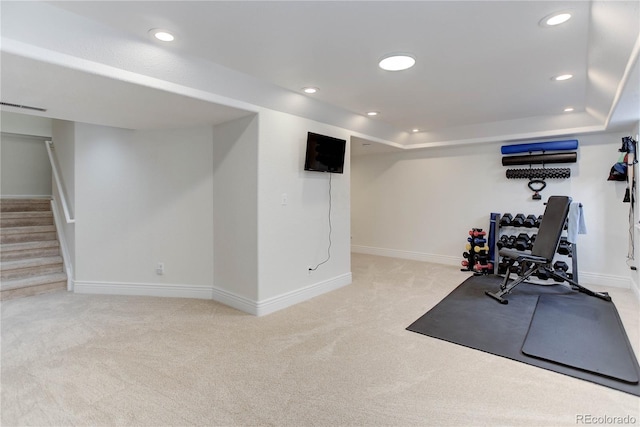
542,253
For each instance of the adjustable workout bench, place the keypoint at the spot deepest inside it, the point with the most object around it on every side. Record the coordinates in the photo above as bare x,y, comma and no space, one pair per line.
542,253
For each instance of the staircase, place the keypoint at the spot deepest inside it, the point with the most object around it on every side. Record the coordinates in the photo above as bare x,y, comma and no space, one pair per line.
30,259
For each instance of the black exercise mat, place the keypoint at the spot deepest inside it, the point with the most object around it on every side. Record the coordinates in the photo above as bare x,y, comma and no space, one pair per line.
470,318
583,334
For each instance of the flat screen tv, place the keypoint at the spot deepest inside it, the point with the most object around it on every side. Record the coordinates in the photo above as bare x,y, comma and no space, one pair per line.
324,153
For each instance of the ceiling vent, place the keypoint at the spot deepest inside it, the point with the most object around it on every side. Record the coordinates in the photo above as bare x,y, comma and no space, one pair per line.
26,107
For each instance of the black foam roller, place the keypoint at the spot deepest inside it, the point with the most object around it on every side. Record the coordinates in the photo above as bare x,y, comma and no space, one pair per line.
536,159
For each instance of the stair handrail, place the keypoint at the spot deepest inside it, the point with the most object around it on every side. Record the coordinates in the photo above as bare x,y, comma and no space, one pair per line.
58,181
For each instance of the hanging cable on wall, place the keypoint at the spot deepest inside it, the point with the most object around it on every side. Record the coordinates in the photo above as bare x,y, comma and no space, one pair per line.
330,229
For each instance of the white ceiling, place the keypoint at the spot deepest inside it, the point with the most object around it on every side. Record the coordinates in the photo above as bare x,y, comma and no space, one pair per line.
483,68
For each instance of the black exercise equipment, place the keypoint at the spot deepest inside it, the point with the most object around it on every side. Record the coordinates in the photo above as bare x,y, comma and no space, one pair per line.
564,247
536,185
540,159
561,265
538,173
542,253
518,220
523,242
530,221
506,220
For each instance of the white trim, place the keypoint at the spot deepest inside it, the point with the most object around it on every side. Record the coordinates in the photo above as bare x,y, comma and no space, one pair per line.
26,196
233,300
256,308
415,256
635,288
588,278
143,289
64,248
288,299
58,181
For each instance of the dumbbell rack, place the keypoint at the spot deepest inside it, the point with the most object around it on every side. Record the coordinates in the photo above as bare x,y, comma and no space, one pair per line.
477,255
565,250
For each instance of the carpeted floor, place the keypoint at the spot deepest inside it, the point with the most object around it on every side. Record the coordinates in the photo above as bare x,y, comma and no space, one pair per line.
343,358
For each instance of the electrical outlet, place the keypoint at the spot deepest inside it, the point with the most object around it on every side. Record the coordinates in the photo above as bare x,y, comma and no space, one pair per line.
160,268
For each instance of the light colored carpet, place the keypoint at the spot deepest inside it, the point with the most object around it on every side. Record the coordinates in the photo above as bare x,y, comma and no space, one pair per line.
343,358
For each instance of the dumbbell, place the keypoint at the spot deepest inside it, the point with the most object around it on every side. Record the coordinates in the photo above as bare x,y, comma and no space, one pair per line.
560,266
542,275
504,239
523,242
477,232
481,248
511,242
476,241
538,220
480,267
530,221
466,254
506,220
465,263
564,247
502,267
518,220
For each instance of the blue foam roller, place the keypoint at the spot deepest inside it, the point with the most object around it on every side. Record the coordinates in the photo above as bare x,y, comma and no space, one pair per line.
570,144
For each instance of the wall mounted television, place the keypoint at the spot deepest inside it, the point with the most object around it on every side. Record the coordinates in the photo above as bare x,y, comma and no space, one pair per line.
324,153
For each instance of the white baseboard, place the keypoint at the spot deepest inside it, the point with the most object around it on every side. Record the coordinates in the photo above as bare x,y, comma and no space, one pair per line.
288,299
586,278
635,287
143,289
415,256
257,308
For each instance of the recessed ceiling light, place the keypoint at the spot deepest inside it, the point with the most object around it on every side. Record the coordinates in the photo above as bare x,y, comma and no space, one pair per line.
372,113
415,130
568,109
309,89
397,62
162,35
562,77
555,19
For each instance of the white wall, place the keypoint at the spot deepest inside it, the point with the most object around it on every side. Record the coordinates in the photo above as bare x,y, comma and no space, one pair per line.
235,213
25,167
25,124
295,235
421,204
144,197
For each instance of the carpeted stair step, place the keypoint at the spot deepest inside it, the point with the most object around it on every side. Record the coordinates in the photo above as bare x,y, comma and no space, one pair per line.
10,270
27,234
16,251
25,219
24,205
32,285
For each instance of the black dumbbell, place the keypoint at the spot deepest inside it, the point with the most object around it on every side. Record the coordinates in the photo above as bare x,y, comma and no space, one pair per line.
518,220
560,273
538,220
511,242
523,242
564,247
503,241
506,220
560,265
530,221
542,275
